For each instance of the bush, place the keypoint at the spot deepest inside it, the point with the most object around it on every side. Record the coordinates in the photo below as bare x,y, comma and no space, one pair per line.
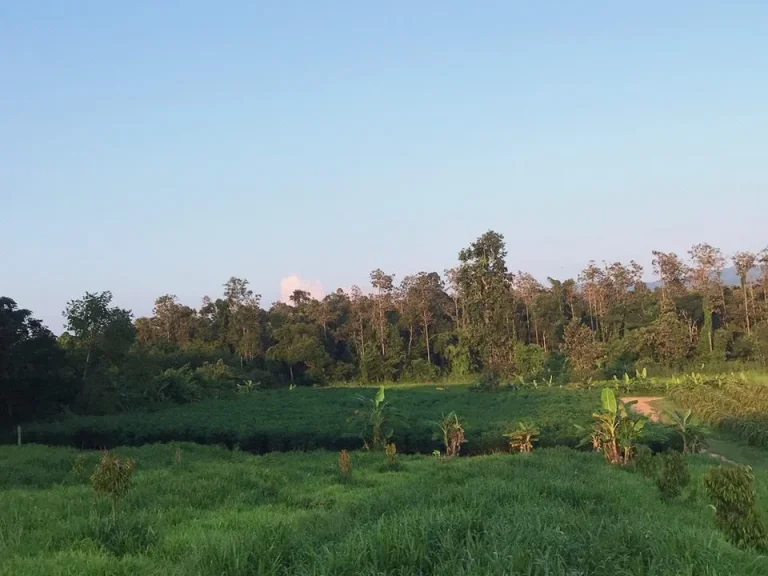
529,361
732,491
419,370
645,462
556,366
673,475
489,380
177,385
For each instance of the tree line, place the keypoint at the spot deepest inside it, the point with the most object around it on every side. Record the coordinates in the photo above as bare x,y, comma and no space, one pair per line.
476,317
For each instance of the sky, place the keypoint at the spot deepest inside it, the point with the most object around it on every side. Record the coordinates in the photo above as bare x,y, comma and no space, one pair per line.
149,147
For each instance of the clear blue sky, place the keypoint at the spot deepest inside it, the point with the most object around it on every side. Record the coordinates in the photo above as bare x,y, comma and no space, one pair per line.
161,147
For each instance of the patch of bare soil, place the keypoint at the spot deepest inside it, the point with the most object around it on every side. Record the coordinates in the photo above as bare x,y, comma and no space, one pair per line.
644,406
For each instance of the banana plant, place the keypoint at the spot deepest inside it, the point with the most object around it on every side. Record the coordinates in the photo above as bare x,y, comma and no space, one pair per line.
522,439
689,432
615,430
374,417
452,431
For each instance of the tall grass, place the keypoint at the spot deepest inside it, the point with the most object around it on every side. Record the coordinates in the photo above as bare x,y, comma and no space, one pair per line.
219,512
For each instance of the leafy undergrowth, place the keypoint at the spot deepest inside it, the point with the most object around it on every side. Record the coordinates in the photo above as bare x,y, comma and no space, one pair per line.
312,418
205,510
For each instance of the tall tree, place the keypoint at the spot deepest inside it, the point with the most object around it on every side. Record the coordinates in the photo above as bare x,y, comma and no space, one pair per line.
705,276
528,289
671,272
98,326
744,262
31,382
384,285
245,319
484,283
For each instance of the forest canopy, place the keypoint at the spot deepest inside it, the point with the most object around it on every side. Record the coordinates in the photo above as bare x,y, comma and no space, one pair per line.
477,317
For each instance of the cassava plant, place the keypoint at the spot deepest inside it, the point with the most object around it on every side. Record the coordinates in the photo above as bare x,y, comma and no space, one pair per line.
374,418
112,478
522,439
452,433
732,492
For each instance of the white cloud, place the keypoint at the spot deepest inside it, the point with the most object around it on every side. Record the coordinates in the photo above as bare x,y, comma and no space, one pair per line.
295,282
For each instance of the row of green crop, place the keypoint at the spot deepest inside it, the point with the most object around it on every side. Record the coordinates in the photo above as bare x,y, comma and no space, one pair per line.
307,419
740,408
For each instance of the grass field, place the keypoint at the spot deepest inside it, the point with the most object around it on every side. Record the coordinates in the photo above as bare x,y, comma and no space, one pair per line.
312,418
556,511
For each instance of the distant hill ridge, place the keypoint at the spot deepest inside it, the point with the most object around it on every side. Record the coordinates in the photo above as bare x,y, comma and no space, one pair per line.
730,277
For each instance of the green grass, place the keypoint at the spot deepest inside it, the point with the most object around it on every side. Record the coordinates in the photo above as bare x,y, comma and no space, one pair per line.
312,418
220,512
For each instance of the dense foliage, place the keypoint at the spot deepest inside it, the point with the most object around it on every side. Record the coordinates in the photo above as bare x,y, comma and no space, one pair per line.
216,511
732,491
477,318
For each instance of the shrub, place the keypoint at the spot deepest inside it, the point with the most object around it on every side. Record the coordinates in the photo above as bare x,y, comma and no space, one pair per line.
645,461
419,370
112,478
732,491
673,475
529,361
489,380
177,385
345,465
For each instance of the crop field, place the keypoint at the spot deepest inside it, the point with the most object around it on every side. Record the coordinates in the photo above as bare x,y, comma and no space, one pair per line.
256,485
312,418
207,510
740,408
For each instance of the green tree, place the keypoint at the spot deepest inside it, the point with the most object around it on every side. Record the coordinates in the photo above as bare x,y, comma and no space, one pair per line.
98,327
705,276
484,284
584,353
744,262
31,366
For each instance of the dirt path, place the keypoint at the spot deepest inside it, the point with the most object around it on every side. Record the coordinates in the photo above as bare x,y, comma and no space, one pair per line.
645,407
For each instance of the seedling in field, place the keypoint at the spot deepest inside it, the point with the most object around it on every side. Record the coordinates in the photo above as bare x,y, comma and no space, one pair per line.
112,478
